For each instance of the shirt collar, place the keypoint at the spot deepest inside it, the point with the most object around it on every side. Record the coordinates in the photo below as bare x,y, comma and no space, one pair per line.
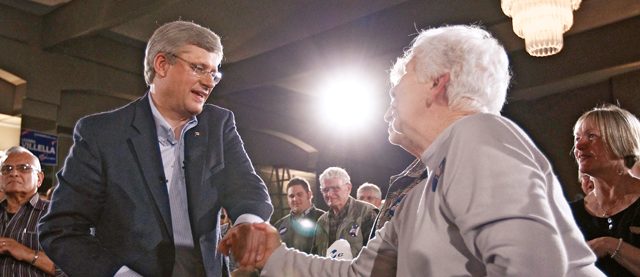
164,130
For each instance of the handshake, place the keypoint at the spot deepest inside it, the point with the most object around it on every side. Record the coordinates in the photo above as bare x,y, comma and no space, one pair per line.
251,244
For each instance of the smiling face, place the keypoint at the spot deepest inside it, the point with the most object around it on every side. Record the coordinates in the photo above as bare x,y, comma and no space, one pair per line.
25,176
591,153
299,199
335,192
178,91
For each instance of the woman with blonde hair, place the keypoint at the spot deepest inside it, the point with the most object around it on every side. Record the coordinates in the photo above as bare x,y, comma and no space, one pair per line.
609,216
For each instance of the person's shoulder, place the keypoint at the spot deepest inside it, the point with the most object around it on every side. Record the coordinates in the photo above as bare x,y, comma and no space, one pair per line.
281,221
484,128
211,109
481,123
316,213
363,205
107,118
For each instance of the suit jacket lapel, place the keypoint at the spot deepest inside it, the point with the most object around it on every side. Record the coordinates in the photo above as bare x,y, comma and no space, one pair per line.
147,151
195,162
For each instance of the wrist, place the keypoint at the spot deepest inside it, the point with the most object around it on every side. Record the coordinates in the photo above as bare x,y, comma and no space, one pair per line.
616,252
35,257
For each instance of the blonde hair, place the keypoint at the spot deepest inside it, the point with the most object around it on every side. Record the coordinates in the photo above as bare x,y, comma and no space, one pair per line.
620,129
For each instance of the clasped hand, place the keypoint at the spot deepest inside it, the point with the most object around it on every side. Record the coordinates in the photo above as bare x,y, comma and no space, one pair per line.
251,244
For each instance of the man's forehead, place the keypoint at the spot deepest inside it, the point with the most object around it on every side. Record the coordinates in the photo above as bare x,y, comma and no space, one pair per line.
19,157
335,181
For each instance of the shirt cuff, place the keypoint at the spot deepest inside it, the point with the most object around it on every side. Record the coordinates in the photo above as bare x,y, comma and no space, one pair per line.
124,271
248,218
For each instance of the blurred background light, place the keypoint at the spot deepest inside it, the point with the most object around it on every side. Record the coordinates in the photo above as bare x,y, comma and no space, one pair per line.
347,100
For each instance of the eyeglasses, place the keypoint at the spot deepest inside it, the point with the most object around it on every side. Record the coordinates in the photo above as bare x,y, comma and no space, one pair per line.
22,168
326,190
200,71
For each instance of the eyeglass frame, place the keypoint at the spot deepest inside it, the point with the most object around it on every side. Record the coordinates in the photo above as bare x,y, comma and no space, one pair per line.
27,169
199,70
334,189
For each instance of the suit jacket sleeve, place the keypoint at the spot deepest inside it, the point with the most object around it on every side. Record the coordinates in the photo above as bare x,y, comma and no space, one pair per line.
65,230
243,192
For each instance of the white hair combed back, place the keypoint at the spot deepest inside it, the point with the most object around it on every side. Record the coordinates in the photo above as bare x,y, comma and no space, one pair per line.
334,172
476,62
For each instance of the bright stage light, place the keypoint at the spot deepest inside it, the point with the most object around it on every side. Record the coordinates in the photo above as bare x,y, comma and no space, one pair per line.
348,100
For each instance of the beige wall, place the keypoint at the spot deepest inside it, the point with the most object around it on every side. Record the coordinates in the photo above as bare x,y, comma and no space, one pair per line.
9,136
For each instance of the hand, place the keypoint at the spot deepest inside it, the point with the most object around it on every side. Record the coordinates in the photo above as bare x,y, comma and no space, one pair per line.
18,251
603,246
250,244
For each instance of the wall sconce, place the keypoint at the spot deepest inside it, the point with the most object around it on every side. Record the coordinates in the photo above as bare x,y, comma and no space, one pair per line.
541,23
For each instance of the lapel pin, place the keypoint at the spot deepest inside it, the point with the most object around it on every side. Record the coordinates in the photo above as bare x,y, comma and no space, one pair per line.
197,133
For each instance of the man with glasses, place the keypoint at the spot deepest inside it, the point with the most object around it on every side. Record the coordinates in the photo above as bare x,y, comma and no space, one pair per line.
347,218
20,252
150,178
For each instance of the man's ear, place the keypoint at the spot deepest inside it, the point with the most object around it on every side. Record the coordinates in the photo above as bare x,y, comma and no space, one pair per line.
161,64
440,87
40,178
441,82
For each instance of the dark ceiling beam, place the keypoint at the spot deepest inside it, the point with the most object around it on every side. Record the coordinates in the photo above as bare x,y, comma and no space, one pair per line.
86,17
371,36
18,25
588,56
105,51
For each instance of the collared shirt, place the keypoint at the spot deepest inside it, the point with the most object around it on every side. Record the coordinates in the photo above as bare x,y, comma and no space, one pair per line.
188,260
399,185
22,227
335,220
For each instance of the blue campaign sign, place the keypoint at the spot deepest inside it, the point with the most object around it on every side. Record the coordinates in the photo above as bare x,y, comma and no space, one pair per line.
44,146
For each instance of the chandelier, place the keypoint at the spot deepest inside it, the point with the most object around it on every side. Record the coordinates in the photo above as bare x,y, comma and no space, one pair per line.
541,23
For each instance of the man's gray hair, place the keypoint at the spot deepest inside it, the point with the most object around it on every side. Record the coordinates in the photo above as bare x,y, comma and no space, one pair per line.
172,36
20,149
477,64
334,172
369,187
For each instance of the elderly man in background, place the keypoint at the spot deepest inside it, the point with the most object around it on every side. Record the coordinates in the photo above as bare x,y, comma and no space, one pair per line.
347,218
20,178
298,228
490,204
370,193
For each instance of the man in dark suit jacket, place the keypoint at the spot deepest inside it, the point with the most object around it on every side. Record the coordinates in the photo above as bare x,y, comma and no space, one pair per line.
142,187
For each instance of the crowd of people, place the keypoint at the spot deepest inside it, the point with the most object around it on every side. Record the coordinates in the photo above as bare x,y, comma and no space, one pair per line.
164,187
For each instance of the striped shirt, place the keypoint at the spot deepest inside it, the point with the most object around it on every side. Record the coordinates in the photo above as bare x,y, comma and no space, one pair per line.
22,228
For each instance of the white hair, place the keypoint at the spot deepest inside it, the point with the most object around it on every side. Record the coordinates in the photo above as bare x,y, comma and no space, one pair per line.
477,64
370,187
334,172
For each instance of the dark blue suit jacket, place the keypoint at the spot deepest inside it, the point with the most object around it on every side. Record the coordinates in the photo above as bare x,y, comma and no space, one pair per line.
113,180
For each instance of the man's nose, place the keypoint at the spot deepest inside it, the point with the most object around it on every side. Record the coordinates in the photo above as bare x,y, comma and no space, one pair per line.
388,115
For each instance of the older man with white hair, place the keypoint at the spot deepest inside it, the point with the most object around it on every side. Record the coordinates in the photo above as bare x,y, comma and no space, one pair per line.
20,250
490,204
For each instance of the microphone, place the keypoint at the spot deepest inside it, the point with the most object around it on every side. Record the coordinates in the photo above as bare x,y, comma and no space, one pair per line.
340,250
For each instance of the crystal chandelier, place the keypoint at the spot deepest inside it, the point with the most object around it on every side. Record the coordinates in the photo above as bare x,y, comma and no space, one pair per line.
541,23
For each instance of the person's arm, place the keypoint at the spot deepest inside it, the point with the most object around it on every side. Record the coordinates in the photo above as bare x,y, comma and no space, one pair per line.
278,260
20,252
243,192
77,202
627,255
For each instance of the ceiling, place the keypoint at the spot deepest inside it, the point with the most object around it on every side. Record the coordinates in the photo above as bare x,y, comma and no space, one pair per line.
276,52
